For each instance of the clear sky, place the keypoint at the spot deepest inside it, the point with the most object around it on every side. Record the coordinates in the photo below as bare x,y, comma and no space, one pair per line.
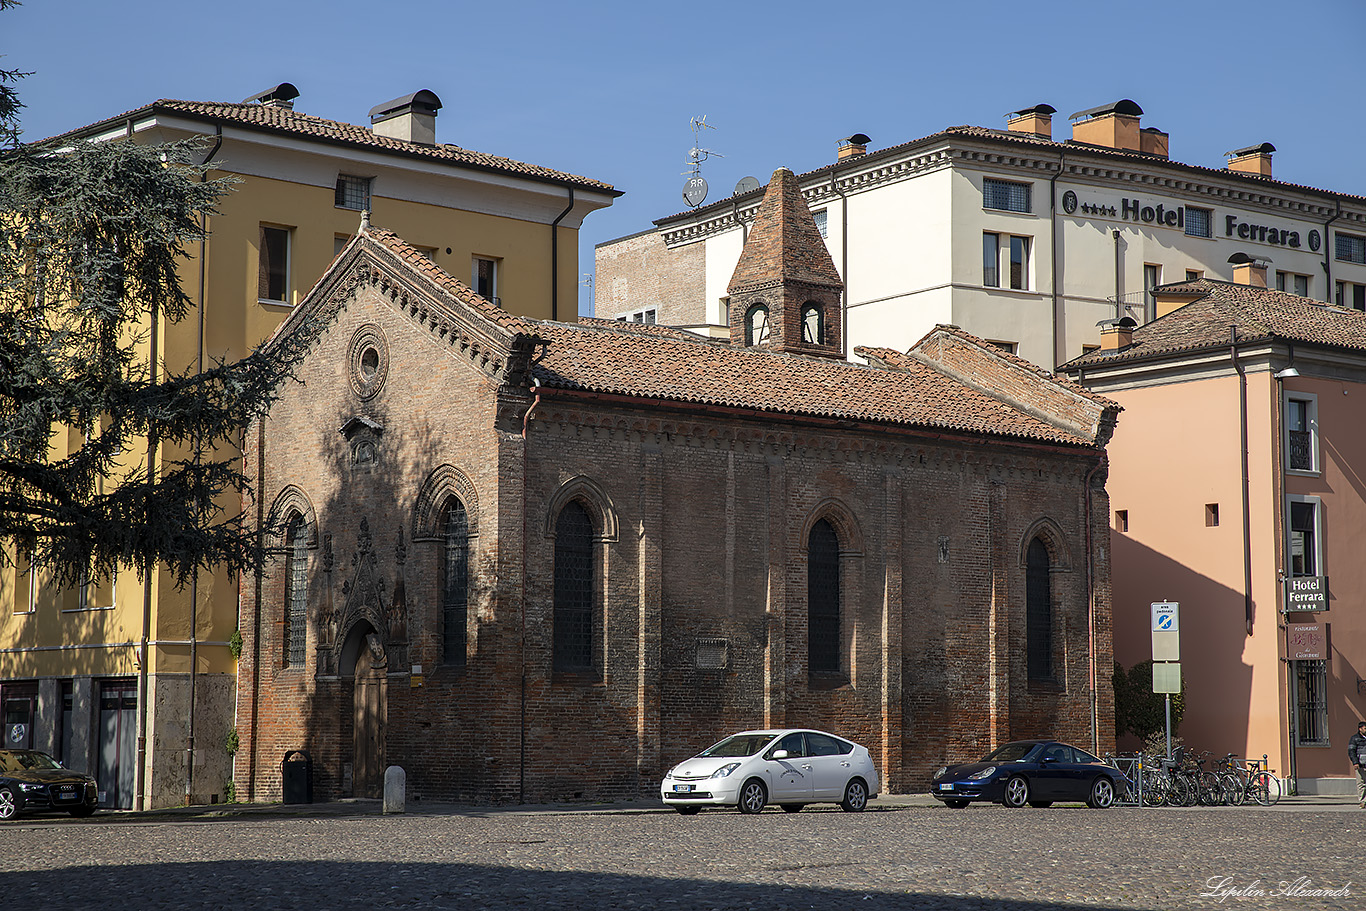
606,89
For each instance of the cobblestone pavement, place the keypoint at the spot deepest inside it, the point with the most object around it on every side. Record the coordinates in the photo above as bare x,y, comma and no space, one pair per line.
897,855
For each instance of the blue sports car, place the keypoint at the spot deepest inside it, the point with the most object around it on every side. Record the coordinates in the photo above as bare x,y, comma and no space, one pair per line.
1034,772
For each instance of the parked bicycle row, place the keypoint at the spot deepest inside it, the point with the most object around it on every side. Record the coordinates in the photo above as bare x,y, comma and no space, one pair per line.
1186,780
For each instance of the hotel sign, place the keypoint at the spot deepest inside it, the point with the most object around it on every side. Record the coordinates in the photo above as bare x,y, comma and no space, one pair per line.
1306,642
1163,214
1306,593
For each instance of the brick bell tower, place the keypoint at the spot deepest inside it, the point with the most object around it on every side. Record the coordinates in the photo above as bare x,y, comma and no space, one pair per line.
785,291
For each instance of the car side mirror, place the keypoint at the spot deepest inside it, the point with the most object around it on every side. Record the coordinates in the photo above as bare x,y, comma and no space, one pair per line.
1050,759
778,754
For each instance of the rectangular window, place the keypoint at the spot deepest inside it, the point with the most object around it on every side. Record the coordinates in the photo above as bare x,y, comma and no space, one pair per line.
1194,275
1351,248
1121,520
1152,277
991,260
1211,515
484,279
1007,347
1301,432
339,242
1311,703
1006,195
353,192
1199,222
1304,537
1292,283
822,218
1019,263
26,581
273,277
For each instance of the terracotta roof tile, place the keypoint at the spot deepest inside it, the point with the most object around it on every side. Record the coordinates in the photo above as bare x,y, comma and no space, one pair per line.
1258,314
282,120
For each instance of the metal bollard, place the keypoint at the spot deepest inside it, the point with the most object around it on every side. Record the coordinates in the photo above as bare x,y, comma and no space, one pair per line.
395,789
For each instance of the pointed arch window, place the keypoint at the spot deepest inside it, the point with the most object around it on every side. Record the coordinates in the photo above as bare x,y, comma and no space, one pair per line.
813,324
756,325
823,599
454,581
575,569
1039,611
295,632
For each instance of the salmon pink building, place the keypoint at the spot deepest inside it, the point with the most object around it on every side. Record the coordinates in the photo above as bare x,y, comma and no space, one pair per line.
1236,491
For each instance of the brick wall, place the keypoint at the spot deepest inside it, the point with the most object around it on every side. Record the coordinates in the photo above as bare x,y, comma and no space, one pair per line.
638,272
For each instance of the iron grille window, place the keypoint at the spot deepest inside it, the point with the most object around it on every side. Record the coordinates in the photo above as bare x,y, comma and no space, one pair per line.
823,599
1038,612
573,589
822,219
1199,222
1311,703
296,592
1301,455
1351,248
1006,195
353,192
455,583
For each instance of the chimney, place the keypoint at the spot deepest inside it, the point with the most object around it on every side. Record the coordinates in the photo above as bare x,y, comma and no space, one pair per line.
277,96
1035,121
1252,160
1248,270
411,118
1116,334
1110,126
853,146
1152,141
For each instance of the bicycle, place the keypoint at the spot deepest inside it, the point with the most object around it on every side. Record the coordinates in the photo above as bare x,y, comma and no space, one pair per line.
1263,785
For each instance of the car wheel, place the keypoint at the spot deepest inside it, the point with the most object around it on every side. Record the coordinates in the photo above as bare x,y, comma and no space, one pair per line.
9,804
1041,804
83,811
956,804
855,796
793,807
1017,792
753,796
1102,794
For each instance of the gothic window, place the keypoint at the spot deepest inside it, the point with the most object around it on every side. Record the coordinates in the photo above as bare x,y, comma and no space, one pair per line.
574,572
454,581
296,591
823,599
756,325
813,324
1038,612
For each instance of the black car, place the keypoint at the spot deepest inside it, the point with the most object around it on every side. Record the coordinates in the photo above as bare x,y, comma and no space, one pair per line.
1034,772
30,781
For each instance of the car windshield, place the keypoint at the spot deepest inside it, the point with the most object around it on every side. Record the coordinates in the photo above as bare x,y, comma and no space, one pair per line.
19,760
739,745
1011,752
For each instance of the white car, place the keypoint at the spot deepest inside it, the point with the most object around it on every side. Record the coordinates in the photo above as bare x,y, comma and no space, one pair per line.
790,768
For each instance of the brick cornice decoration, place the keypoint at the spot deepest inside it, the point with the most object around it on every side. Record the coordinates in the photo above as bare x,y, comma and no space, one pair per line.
838,514
600,506
446,480
1060,555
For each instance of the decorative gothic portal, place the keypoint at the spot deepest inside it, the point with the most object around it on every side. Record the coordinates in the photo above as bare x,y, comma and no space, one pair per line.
363,654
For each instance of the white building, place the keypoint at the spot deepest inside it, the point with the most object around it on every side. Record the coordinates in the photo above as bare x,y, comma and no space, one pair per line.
1015,237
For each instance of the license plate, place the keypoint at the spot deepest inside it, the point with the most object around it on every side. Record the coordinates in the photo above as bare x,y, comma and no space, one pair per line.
946,787
683,787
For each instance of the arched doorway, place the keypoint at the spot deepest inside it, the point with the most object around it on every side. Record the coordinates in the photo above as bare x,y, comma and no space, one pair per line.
364,660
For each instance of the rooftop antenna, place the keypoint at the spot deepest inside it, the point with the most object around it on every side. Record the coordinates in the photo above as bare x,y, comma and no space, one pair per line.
695,190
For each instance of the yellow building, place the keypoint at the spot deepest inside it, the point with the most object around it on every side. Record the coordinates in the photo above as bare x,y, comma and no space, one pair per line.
71,666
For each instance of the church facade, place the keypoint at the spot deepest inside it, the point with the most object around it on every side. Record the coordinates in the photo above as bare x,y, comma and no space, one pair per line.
528,560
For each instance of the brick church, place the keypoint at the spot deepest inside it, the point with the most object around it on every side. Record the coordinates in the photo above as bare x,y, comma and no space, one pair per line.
529,560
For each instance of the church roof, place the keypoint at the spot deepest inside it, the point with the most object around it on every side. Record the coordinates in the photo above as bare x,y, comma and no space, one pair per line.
784,244
1258,314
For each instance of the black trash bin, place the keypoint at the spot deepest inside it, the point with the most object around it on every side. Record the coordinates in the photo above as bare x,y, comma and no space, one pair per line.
297,775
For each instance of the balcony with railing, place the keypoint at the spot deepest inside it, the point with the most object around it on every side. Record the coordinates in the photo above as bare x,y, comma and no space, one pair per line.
1301,454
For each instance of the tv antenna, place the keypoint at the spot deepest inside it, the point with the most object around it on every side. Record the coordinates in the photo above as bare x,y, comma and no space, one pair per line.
695,190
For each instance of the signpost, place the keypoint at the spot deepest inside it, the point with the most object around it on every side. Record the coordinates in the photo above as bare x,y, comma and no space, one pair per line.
1167,656
1306,593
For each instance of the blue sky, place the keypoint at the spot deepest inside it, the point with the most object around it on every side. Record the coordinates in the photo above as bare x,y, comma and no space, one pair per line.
607,89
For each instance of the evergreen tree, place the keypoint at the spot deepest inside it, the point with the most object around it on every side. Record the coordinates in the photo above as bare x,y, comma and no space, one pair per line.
91,235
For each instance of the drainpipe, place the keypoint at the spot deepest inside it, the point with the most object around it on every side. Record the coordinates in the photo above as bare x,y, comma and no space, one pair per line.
1053,247
521,727
1091,606
844,262
1119,275
1327,253
256,612
1243,458
148,567
555,260
1278,466
194,582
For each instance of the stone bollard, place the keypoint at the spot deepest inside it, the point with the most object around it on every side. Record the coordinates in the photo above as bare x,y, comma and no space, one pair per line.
395,789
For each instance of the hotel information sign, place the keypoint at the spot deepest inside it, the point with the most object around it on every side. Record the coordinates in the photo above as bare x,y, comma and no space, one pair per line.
1306,593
